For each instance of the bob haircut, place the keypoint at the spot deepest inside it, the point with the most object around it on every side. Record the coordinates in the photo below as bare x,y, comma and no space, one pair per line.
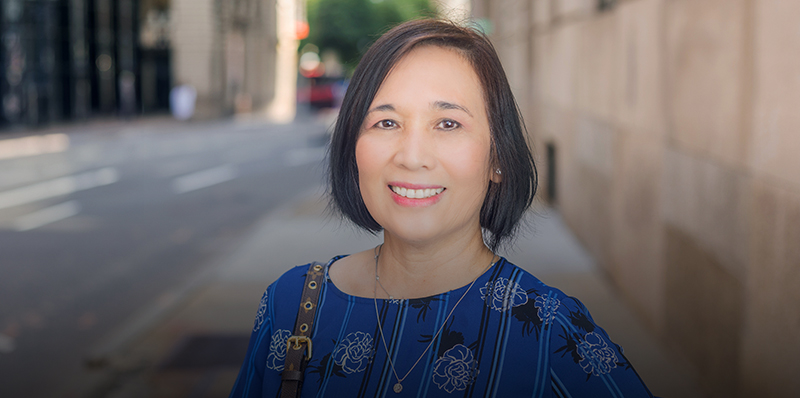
505,202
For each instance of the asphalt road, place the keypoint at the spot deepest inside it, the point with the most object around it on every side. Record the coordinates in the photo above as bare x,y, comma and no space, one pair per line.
111,219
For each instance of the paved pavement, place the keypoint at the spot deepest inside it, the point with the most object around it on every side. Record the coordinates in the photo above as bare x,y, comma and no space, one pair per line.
191,346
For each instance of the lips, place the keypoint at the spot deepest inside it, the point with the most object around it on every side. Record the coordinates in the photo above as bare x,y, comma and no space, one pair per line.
416,193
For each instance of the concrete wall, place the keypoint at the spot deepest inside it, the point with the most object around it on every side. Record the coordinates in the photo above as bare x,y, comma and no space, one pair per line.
675,125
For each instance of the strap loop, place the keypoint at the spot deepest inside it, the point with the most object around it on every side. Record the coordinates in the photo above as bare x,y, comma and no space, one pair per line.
297,341
292,375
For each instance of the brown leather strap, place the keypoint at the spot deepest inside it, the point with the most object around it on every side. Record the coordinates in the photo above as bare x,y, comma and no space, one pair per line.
299,347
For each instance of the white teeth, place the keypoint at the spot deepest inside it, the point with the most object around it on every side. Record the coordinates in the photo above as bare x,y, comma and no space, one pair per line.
417,193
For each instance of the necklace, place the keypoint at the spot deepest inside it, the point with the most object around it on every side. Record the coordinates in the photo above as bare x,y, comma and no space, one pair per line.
398,387
377,278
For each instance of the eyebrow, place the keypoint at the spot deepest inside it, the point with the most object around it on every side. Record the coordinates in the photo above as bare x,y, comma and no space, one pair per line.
382,108
443,105
449,105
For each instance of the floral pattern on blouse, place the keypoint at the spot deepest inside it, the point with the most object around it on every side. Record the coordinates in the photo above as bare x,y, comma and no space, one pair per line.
597,357
262,311
501,339
455,370
277,349
547,306
354,352
502,294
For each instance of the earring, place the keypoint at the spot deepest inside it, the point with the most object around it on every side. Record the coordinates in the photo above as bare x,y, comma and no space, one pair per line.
497,171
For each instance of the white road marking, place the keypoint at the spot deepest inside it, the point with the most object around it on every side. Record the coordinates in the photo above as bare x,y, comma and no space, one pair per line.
297,157
177,167
58,187
47,216
204,179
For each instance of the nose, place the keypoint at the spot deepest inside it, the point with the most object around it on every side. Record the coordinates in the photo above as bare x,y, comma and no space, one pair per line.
415,149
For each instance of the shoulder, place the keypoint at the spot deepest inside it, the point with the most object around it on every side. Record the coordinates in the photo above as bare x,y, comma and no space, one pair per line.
511,288
583,359
546,306
281,300
290,283
518,280
533,285
287,284
292,278
287,289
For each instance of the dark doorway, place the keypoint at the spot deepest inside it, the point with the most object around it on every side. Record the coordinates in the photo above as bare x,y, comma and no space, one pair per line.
551,173
155,79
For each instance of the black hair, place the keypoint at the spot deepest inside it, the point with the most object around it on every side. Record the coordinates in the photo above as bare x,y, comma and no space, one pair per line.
505,202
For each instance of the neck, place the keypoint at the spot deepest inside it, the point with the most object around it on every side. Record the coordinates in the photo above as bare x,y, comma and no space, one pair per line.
413,269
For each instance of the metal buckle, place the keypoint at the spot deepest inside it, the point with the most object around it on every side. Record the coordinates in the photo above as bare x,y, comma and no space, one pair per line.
298,341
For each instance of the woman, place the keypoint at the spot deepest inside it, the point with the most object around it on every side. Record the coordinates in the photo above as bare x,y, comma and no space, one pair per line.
429,147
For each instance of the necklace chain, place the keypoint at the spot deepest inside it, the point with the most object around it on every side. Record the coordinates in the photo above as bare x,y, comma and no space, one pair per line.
399,385
379,279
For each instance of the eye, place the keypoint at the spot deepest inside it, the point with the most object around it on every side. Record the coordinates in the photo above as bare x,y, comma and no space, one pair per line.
448,124
386,124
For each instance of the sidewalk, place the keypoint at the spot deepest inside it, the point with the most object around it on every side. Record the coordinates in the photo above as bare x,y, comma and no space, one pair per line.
195,349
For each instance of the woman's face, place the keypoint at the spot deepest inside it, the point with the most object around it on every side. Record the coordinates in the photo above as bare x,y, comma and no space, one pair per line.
424,149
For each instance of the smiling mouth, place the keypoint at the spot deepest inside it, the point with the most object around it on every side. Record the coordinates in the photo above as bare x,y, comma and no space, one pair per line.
416,193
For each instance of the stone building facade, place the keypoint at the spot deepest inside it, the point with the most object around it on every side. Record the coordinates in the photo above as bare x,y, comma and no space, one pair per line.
667,134
240,55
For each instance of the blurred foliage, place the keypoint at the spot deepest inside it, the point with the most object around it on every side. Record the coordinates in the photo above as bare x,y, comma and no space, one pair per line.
350,26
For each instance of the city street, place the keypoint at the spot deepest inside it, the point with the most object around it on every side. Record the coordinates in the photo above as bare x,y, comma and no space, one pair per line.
103,222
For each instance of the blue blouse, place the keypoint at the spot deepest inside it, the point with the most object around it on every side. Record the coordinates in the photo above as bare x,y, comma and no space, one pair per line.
511,336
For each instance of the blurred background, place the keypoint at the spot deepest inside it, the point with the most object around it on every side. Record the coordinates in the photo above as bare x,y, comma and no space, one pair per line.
162,161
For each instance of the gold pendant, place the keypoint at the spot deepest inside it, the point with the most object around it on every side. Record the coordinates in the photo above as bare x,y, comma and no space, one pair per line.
398,387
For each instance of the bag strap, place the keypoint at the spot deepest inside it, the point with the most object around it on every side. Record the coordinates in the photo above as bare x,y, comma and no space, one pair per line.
299,345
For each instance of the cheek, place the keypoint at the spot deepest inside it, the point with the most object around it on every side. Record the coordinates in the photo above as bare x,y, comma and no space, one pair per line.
373,153
365,158
367,162
471,164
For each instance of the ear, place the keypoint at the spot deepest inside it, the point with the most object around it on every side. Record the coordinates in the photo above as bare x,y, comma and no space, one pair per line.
496,175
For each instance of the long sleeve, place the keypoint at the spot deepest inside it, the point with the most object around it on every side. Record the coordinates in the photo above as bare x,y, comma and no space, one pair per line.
260,374
584,361
249,383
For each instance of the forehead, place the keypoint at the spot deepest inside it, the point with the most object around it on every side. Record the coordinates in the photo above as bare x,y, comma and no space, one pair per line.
432,71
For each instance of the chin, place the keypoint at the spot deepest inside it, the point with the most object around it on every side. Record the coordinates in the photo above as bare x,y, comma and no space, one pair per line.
409,230
412,234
